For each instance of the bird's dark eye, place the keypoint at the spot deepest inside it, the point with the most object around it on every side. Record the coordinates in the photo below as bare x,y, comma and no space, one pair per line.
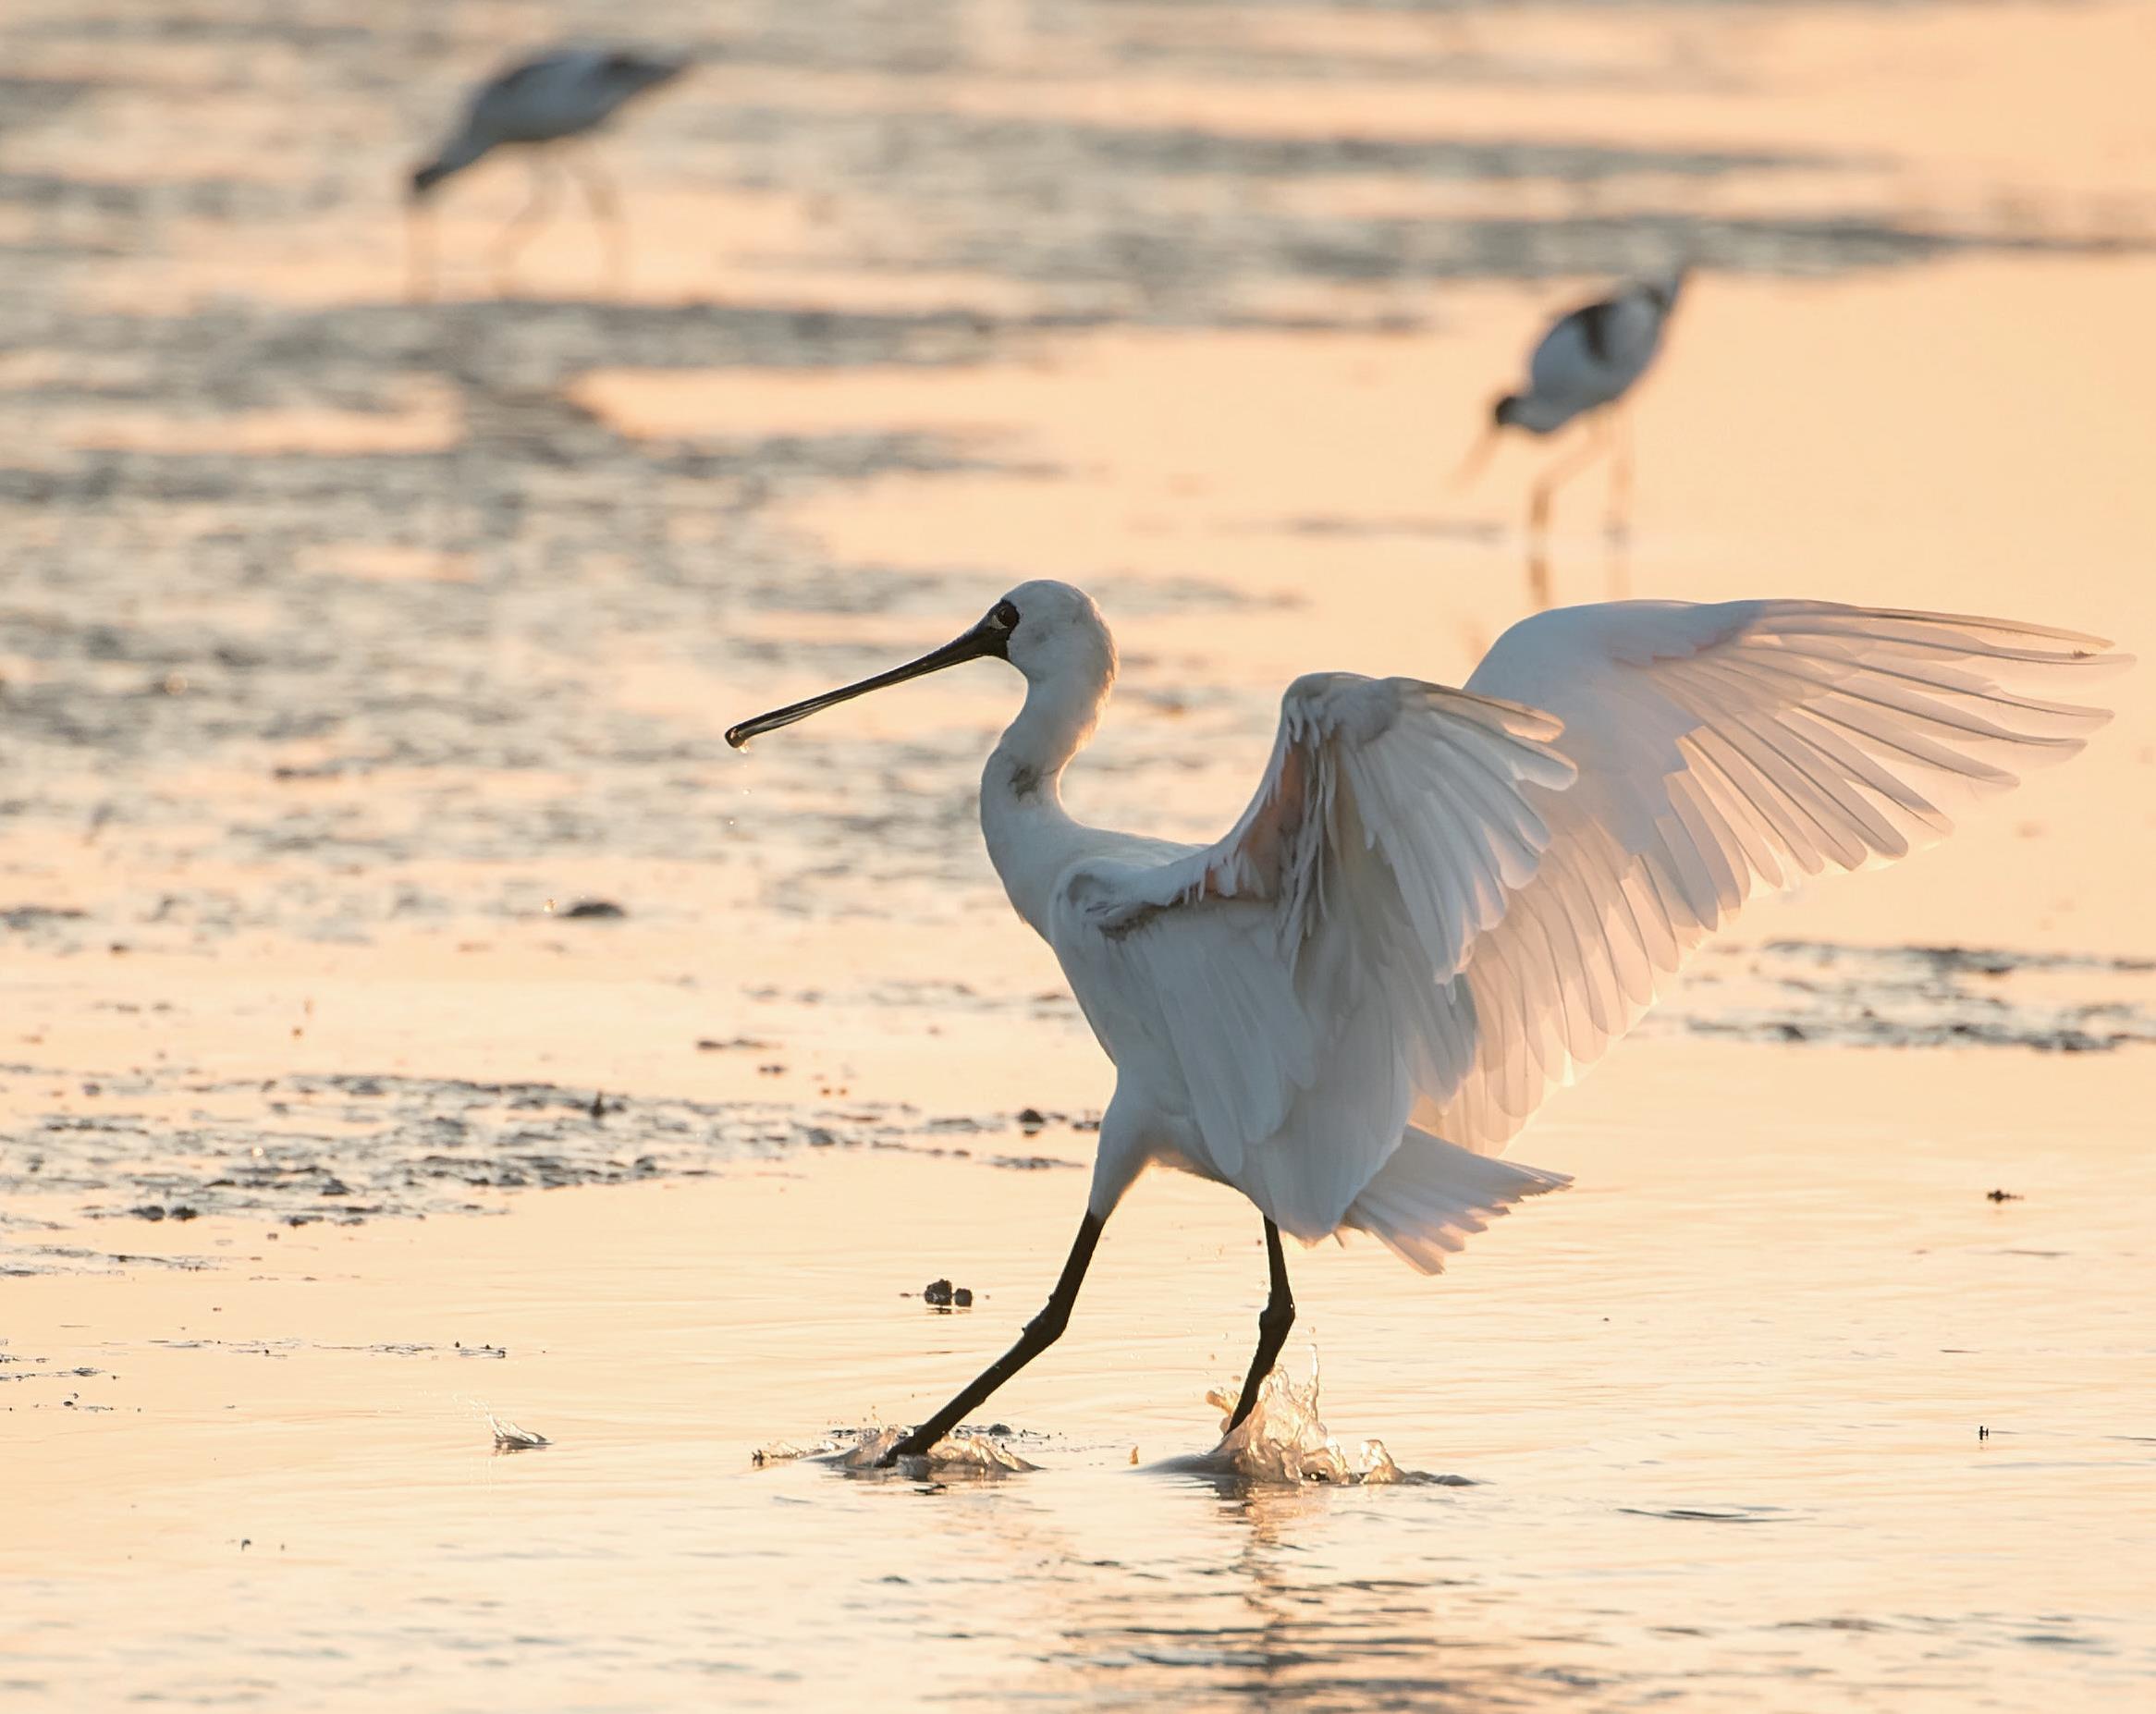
1005,615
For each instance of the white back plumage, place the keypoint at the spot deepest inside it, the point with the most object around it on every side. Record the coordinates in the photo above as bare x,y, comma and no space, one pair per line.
1274,1000
556,96
1592,356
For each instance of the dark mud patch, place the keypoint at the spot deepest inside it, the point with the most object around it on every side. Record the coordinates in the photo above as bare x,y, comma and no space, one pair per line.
343,1150
20,1368
22,1260
1817,992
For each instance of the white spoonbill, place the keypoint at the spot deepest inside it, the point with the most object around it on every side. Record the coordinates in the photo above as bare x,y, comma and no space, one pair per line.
551,99
1584,366
1442,903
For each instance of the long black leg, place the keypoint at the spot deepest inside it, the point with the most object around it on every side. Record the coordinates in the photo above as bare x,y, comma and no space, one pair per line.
1041,1333
1273,1322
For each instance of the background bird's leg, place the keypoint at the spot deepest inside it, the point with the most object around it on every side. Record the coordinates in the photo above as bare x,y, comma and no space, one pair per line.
418,252
1617,524
1041,1333
606,213
1618,432
1273,1322
1583,453
1537,574
537,210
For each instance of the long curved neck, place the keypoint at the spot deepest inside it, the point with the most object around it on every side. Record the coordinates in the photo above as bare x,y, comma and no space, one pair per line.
1031,837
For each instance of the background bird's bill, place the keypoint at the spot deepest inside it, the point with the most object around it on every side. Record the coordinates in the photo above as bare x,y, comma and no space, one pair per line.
988,638
1478,456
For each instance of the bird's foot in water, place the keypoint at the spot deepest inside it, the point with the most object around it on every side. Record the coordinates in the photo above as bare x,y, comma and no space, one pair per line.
958,1453
889,1458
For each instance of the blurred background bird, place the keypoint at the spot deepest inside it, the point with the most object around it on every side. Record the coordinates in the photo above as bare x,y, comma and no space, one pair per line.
1584,367
556,98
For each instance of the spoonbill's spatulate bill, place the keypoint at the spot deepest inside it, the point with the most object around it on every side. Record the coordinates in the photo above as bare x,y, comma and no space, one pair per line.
1442,903
551,99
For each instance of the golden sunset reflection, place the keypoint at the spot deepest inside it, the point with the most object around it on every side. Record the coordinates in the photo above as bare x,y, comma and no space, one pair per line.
413,1009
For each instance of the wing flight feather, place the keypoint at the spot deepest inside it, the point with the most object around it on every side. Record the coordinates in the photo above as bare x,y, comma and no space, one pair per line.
1725,751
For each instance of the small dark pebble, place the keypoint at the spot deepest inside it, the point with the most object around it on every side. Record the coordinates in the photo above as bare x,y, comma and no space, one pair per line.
962,1297
183,1212
590,908
1031,1119
938,1294
150,1211
2002,1195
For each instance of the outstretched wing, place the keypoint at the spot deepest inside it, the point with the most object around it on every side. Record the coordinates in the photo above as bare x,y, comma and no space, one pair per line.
1297,970
1725,751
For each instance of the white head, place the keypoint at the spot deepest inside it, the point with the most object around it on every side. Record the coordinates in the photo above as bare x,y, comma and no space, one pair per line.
1050,631
1056,634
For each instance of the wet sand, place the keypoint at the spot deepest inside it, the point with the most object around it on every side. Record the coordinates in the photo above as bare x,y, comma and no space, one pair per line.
347,645
1721,1406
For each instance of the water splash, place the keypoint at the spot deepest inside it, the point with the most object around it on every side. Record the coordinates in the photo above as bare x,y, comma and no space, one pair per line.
1284,1440
509,1438
959,1455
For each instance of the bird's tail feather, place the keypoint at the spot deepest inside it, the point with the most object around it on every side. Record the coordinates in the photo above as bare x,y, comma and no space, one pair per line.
1430,1195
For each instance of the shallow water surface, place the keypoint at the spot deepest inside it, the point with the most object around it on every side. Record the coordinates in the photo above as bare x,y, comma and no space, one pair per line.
1796,1417
416,1019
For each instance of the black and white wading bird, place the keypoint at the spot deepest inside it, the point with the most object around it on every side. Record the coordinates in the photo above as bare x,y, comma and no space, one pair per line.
1442,903
1585,365
543,106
